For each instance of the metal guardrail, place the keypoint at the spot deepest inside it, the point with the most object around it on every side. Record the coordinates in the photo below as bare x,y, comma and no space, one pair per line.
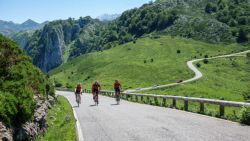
156,98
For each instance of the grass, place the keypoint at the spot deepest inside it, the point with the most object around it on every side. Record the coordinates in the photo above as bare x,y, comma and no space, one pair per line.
131,63
67,52
61,122
224,77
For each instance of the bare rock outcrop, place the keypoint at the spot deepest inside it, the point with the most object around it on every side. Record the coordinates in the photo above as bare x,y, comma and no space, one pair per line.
5,133
31,129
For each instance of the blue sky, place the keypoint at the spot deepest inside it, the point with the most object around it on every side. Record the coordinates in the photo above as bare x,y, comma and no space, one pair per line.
42,10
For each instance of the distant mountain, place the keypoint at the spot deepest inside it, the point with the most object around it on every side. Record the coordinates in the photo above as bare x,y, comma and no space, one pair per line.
8,28
108,17
213,21
29,24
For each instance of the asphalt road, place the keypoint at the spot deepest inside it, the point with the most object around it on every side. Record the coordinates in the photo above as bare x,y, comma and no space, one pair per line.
138,122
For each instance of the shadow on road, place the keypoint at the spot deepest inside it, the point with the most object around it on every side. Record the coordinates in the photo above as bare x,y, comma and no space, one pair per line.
114,104
75,107
92,105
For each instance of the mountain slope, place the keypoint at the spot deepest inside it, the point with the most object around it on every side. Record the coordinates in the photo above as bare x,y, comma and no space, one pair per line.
216,21
146,62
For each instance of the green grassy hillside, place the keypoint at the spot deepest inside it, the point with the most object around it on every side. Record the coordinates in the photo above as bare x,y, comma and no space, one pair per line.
224,77
146,62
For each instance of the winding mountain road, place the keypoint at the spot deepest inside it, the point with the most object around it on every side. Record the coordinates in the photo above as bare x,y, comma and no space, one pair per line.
191,66
138,122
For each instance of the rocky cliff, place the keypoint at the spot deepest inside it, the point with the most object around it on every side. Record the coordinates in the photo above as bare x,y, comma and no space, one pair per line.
30,129
47,46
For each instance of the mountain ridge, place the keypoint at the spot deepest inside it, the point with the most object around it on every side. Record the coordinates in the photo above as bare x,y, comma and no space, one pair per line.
210,21
9,28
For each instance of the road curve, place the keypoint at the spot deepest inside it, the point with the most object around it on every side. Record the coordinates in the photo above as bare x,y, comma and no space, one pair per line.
191,66
138,122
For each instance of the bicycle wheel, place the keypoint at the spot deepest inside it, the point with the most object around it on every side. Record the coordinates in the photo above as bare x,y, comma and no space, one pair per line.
78,100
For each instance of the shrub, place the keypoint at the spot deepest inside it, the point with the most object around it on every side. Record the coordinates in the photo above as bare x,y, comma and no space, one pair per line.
145,61
235,64
246,95
8,104
205,61
58,84
206,56
50,89
68,85
245,115
210,8
19,82
198,65
243,36
178,51
152,60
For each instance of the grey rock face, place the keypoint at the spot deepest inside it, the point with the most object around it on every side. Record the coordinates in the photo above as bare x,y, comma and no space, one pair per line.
5,133
51,47
52,42
31,129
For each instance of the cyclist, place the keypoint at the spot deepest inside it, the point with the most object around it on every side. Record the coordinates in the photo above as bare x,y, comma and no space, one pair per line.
117,87
78,91
95,91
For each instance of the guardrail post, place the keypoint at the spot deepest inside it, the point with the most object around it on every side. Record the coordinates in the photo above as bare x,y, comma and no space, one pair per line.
156,100
126,97
136,98
222,108
141,99
148,102
164,102
186,104
174,102
201,105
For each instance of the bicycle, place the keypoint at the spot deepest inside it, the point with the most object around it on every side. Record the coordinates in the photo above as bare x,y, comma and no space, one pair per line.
78,99
118,98
96,98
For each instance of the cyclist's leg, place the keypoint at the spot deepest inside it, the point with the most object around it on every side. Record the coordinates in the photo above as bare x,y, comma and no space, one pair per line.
116,93
76,96
97,100
80,98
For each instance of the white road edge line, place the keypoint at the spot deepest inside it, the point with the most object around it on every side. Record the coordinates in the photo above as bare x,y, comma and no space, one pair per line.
78,126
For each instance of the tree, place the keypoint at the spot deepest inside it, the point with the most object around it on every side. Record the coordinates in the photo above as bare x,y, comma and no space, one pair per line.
242,20
210,8
242,36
